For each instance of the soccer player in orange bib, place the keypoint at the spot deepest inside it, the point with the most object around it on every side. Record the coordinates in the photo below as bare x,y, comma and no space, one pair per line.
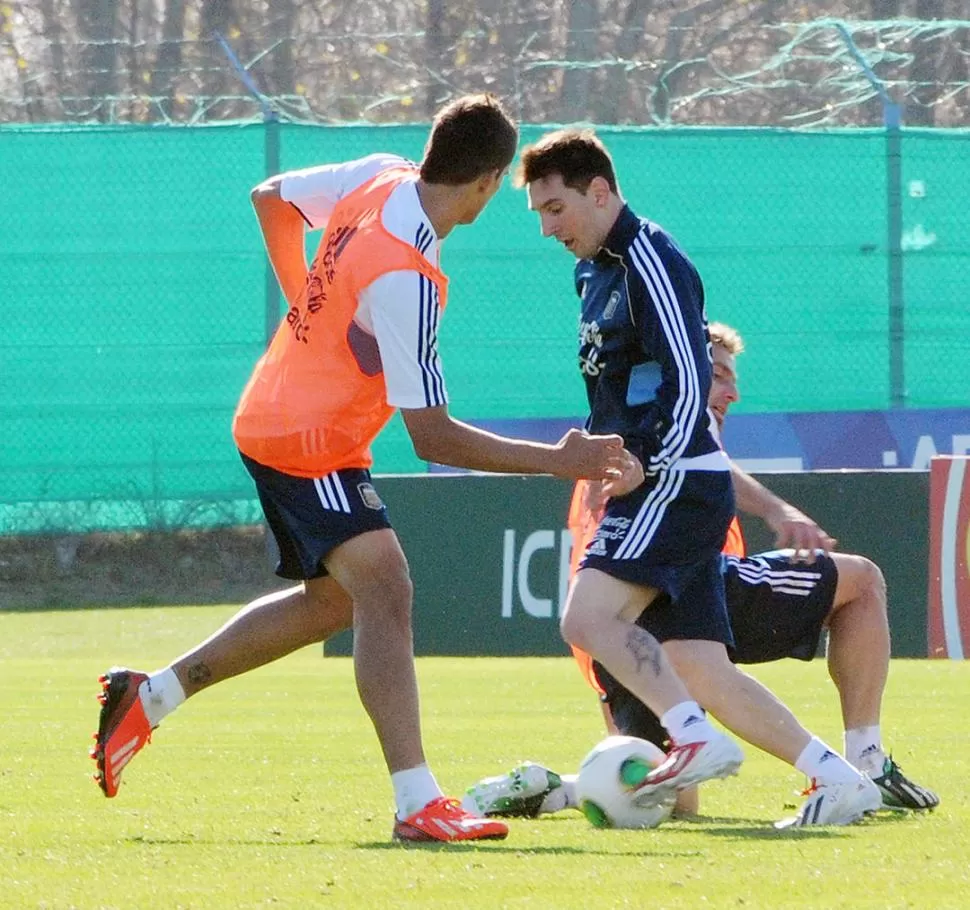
359,341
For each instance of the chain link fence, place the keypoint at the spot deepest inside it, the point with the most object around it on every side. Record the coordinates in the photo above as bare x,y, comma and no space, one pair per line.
137,297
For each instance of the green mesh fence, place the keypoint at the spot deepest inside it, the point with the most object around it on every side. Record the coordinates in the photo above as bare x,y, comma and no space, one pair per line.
135,300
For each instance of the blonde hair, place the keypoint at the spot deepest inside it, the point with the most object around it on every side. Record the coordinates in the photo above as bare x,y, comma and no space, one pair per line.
726,336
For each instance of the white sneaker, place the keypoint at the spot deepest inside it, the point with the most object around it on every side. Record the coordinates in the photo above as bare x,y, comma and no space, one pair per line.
836,804
687,765
518,794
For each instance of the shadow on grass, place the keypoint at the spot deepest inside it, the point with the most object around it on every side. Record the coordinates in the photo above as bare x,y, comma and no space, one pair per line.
230,842
502,847
721,827
468,847
763,829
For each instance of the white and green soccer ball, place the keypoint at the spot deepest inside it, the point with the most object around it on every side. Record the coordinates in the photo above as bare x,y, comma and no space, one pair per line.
607,781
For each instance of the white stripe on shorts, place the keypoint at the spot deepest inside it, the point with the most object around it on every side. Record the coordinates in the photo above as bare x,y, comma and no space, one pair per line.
650,515
786,581
331,493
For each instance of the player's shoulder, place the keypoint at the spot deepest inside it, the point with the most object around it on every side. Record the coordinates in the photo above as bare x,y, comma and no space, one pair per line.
360,170
654,248
663,243
334,181
406,219
657,237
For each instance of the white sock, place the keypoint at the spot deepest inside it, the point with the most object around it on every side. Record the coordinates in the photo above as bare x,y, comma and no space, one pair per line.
414,788
687,723
863,747
160,695
825,765
563,797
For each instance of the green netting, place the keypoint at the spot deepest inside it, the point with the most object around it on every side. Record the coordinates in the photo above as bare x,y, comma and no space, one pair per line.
134,299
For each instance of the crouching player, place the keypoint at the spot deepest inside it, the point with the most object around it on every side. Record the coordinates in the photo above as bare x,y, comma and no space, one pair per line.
778,607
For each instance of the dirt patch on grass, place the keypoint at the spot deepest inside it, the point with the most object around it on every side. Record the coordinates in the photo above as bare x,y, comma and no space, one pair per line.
225,565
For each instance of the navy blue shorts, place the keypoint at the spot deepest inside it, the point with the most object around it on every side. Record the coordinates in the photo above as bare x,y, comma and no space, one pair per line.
309,517
668,535
777,609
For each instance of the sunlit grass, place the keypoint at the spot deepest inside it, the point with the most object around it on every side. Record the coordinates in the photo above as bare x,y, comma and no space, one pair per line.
268,790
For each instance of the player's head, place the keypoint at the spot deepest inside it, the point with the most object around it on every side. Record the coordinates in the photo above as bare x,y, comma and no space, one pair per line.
726,343
571,184
472,143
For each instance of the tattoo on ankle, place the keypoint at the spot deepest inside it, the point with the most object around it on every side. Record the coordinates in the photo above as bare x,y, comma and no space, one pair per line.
645,649
199,674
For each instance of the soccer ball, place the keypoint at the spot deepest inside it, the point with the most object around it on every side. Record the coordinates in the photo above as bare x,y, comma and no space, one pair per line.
607,778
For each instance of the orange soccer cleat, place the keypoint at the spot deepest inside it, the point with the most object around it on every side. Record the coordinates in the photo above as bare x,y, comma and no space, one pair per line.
123,729
443,819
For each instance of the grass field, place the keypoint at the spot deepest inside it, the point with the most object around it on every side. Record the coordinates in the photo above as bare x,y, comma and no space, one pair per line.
268,791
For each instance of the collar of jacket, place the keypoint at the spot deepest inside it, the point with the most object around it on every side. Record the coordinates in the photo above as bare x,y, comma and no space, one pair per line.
621,235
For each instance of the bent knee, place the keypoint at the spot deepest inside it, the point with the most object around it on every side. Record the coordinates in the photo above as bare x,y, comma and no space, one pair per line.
861,580
328,607
581,623
391,594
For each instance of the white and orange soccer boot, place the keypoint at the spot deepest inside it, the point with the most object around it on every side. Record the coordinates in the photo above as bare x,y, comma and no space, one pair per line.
687,765
444,820
123,728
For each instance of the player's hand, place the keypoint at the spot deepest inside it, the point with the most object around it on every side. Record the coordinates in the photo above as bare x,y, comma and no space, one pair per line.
626,480
796,531
580,455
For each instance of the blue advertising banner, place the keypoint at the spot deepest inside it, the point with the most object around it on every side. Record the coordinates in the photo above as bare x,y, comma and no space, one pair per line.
810,441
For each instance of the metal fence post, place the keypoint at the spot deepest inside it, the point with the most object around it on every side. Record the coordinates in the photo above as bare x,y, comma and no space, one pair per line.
892,121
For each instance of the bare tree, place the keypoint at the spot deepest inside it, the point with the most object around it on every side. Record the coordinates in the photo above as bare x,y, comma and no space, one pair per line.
97,21
283,76
215,19
434,51
580,49
623,61
168,61
614,100
927,57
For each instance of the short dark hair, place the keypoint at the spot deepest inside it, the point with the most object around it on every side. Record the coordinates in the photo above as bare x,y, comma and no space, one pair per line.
470,137
576,155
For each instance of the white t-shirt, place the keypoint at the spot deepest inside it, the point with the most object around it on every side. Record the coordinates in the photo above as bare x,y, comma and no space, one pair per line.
400,309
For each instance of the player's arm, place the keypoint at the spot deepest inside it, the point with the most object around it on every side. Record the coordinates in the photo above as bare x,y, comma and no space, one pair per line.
282,226
401,310
438,437
667,312
792,527
290,204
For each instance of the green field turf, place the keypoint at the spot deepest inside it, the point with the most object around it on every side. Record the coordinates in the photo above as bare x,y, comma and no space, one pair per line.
268,791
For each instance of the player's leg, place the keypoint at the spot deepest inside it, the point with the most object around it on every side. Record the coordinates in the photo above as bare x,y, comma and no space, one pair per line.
840,794
628,716
694,628
779,609
599,618
135,703
858,659
737,700
858,655
305,526
373,570
265,630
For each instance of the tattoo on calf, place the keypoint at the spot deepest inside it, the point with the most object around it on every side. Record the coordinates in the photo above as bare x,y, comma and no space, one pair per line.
199,674
645,649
